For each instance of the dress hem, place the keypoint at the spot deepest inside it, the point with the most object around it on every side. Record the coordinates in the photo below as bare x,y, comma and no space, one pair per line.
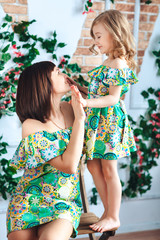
74,233
126,155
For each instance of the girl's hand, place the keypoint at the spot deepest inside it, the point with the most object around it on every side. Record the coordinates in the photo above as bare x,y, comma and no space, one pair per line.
77,106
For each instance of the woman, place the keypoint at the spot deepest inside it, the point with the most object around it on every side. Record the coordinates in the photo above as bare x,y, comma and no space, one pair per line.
46,203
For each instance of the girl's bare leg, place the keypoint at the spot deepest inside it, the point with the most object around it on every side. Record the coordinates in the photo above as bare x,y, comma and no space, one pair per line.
95,168
111,221
59,229
26,234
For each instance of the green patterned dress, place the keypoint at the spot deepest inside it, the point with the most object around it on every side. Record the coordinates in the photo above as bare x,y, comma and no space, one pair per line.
108,134
44,193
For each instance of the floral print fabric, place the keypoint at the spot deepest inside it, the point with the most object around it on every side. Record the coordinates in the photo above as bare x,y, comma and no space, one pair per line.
108,134
44,193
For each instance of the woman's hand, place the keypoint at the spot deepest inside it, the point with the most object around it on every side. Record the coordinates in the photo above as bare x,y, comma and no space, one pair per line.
76,103
80,98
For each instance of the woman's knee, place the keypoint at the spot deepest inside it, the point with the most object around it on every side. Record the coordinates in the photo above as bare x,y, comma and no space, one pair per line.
26,234
60,229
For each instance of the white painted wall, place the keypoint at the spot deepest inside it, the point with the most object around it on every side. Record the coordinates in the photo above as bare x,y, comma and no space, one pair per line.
138,214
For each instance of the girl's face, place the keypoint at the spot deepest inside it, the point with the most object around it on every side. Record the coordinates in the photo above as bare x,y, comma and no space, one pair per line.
102,38
60,81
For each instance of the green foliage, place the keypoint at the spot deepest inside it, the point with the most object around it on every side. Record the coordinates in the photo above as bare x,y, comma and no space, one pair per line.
93,199
7,179
147,137
157,55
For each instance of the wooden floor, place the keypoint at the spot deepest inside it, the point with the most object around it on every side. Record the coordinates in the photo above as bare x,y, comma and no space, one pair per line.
145,235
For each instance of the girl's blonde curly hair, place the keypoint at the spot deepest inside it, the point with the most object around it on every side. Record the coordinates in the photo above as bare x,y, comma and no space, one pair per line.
120,30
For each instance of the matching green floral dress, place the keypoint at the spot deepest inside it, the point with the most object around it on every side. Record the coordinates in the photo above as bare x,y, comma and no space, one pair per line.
44,193
108,133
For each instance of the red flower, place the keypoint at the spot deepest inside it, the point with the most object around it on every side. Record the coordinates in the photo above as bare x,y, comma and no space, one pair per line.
158,124
139,153
154,116
153,149
14,95
90,10
17,73
14,46
7,102
156,155
6,78
62,60
158,135
141,160
155,129
136,139
3,95
20,64
19,54
2,107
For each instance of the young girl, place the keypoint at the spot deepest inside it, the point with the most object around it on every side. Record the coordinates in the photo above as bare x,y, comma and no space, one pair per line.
108,133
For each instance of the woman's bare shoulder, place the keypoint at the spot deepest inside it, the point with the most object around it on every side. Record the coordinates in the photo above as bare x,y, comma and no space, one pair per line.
30,126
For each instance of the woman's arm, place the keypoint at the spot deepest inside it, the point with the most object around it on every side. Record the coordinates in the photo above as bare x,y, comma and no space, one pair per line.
69,160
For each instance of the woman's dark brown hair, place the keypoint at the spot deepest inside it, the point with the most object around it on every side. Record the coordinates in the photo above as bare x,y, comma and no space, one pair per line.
34,92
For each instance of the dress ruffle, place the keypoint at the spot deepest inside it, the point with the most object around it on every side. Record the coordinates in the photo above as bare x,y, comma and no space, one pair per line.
113,76
40,147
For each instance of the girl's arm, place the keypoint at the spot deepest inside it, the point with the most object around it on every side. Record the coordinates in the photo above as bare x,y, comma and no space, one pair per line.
105,101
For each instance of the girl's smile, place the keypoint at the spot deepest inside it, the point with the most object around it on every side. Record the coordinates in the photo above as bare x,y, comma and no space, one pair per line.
102,38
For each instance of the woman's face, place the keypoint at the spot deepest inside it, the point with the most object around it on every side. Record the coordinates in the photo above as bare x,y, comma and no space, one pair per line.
59,81
102,38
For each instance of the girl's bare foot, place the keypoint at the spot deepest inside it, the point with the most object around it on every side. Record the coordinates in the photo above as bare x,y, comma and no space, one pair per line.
106,224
